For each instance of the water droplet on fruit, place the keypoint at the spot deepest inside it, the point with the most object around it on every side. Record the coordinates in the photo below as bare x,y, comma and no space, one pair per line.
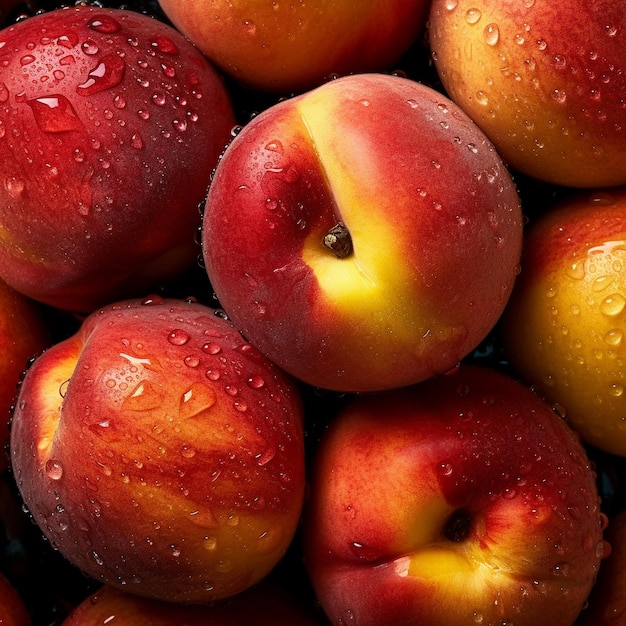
178,337
107,74
451,4
55,114
104,24
491,34
613,305
136,141
212,348
165,45
473,15
191,361
90,47
614,337
54,469
14,186
196,400
256,382
616,390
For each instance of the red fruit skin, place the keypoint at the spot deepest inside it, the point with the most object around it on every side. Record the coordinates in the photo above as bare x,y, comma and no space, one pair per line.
160,452
24,333
264,605
607,602
393,470
435,224
110,125
12,608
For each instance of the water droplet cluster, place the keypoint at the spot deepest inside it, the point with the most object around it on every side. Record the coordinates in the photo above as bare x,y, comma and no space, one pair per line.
197,440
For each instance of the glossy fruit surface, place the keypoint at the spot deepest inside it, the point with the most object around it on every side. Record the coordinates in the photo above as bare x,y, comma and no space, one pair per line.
103,112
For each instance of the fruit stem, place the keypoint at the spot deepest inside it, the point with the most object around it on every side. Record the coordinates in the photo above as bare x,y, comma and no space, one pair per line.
339,241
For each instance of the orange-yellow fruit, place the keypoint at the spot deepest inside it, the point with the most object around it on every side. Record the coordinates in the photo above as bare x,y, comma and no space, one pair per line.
564,327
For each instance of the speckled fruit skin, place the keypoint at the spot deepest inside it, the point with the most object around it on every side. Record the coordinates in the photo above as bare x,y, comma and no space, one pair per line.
24,333
110,125
545,81
264,605
13,611
433,216
160,452
563,329
293,46
462,500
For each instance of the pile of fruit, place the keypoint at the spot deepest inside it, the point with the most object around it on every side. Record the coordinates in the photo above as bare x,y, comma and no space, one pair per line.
313,312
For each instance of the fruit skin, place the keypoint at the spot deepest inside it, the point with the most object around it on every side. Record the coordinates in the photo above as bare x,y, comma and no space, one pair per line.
544,80
12,609
111,125
24,333
160,452
265,604
286,47
433,215
464,499
607,602
562,330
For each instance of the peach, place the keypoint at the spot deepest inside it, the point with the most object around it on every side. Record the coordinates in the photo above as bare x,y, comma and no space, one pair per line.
607,602
24,333
264,605
563,330
110,125
544,80
363,235
160,453
283,47
461,500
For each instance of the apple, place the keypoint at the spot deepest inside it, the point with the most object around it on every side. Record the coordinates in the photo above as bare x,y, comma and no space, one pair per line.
24,333
12,609
563,329
286,47
545,81
264,605
607,602
110,125
462,500
364,235
160,452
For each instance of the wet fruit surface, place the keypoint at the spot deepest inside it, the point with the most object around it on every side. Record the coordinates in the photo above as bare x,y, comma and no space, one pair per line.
50,586
91,98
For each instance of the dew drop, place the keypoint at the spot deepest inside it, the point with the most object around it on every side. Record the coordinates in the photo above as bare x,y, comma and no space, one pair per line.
613,305
54,469
136,141
196,400
55,114
107,74
90,47
104,24
178,337
473,15
491,34
256,382
164,44
614,337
